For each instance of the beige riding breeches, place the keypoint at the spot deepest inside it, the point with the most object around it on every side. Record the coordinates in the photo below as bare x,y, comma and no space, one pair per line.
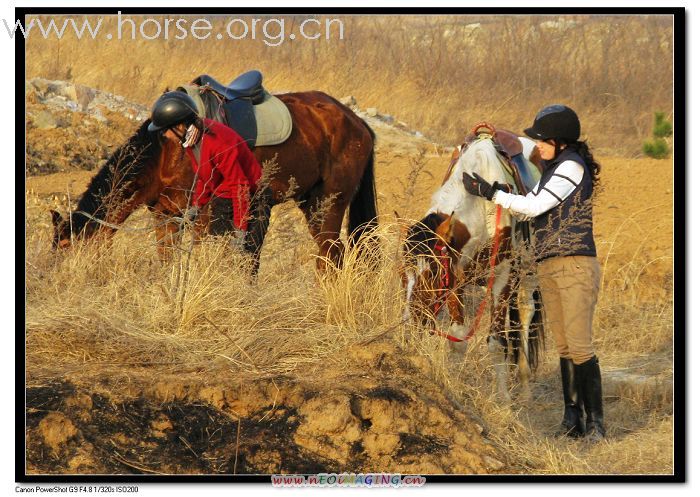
570,288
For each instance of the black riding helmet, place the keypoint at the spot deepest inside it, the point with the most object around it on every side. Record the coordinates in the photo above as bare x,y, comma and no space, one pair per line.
555,121
171,109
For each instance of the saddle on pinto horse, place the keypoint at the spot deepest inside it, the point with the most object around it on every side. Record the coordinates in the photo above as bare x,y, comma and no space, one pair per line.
511,149
243,105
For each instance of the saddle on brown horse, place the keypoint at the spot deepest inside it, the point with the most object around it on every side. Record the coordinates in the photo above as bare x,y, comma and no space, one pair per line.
243,105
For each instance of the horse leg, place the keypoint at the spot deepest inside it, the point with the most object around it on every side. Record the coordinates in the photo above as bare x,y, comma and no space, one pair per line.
455,306
526,308
324,214
522,308
168,232
497,342
168,236
330,247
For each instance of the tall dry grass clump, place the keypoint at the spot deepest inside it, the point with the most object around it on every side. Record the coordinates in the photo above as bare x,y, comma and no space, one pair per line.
114,308
438,73
117,304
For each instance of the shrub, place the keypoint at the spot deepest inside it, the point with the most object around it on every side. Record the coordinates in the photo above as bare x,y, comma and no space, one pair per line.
662,126
658,147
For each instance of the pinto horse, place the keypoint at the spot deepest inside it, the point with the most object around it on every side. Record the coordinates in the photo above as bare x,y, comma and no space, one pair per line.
463,241
328,161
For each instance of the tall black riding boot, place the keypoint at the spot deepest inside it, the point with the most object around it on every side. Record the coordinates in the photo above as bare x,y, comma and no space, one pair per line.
590,389
572,425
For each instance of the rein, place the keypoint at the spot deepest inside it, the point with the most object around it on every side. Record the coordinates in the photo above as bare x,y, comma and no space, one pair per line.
446,282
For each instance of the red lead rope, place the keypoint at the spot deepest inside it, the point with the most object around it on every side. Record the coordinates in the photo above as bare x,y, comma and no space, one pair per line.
445,281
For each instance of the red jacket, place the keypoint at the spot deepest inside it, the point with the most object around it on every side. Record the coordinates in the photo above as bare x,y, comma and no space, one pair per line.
227,169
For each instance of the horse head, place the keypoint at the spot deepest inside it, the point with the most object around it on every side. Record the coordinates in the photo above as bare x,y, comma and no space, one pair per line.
119,187
428,260
65,230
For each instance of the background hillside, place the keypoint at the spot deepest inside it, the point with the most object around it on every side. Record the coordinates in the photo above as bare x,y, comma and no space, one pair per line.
439,74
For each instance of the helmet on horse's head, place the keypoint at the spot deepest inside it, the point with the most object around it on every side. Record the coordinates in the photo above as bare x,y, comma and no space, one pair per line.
171,109
555,122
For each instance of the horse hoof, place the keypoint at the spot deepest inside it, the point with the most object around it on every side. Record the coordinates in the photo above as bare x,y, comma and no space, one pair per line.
525,393
505,399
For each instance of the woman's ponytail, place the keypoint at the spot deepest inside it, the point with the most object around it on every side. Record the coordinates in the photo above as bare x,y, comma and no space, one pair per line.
581,148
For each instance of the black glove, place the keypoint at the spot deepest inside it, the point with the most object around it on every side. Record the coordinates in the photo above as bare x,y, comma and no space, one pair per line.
476,185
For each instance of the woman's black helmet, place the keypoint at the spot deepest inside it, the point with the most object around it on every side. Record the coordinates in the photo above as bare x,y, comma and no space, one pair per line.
171,109
555,121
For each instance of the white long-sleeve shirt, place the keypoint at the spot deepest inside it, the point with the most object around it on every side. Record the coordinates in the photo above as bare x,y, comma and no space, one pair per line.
563,182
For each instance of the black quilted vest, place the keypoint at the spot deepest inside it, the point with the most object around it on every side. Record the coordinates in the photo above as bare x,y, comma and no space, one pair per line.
566,229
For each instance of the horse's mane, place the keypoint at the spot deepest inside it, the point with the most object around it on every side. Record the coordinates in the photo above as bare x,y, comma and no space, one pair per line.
421,237
114,181
469,157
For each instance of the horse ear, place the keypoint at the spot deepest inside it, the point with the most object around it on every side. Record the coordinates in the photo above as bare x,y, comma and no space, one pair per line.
444,230
452,221
402,225
56,217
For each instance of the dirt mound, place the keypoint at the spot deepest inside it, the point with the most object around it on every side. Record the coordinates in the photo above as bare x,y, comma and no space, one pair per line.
381,414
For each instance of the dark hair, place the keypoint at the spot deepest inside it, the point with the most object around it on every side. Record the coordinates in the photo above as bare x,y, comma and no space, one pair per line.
582,149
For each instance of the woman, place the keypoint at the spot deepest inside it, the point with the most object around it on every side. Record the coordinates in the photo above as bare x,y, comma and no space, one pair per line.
568,270
227,171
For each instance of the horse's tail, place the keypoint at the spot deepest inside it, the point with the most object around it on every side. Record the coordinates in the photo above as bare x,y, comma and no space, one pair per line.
363,207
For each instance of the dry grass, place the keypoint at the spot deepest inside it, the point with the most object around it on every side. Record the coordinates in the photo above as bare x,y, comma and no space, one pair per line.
116,307
113,308
439,73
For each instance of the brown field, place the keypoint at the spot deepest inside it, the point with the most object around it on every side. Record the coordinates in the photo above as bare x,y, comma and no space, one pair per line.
138,366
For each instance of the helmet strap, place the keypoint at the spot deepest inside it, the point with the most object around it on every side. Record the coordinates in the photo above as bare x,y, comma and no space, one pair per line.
192,136
179,136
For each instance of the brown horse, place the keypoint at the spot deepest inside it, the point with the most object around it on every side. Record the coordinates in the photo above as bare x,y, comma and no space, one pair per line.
326,163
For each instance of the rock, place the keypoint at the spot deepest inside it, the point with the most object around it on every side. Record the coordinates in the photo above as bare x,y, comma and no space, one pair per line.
493,464
45,120
54,87
69,91
350,101
98,116
372,112
85,96
41,85
389,119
